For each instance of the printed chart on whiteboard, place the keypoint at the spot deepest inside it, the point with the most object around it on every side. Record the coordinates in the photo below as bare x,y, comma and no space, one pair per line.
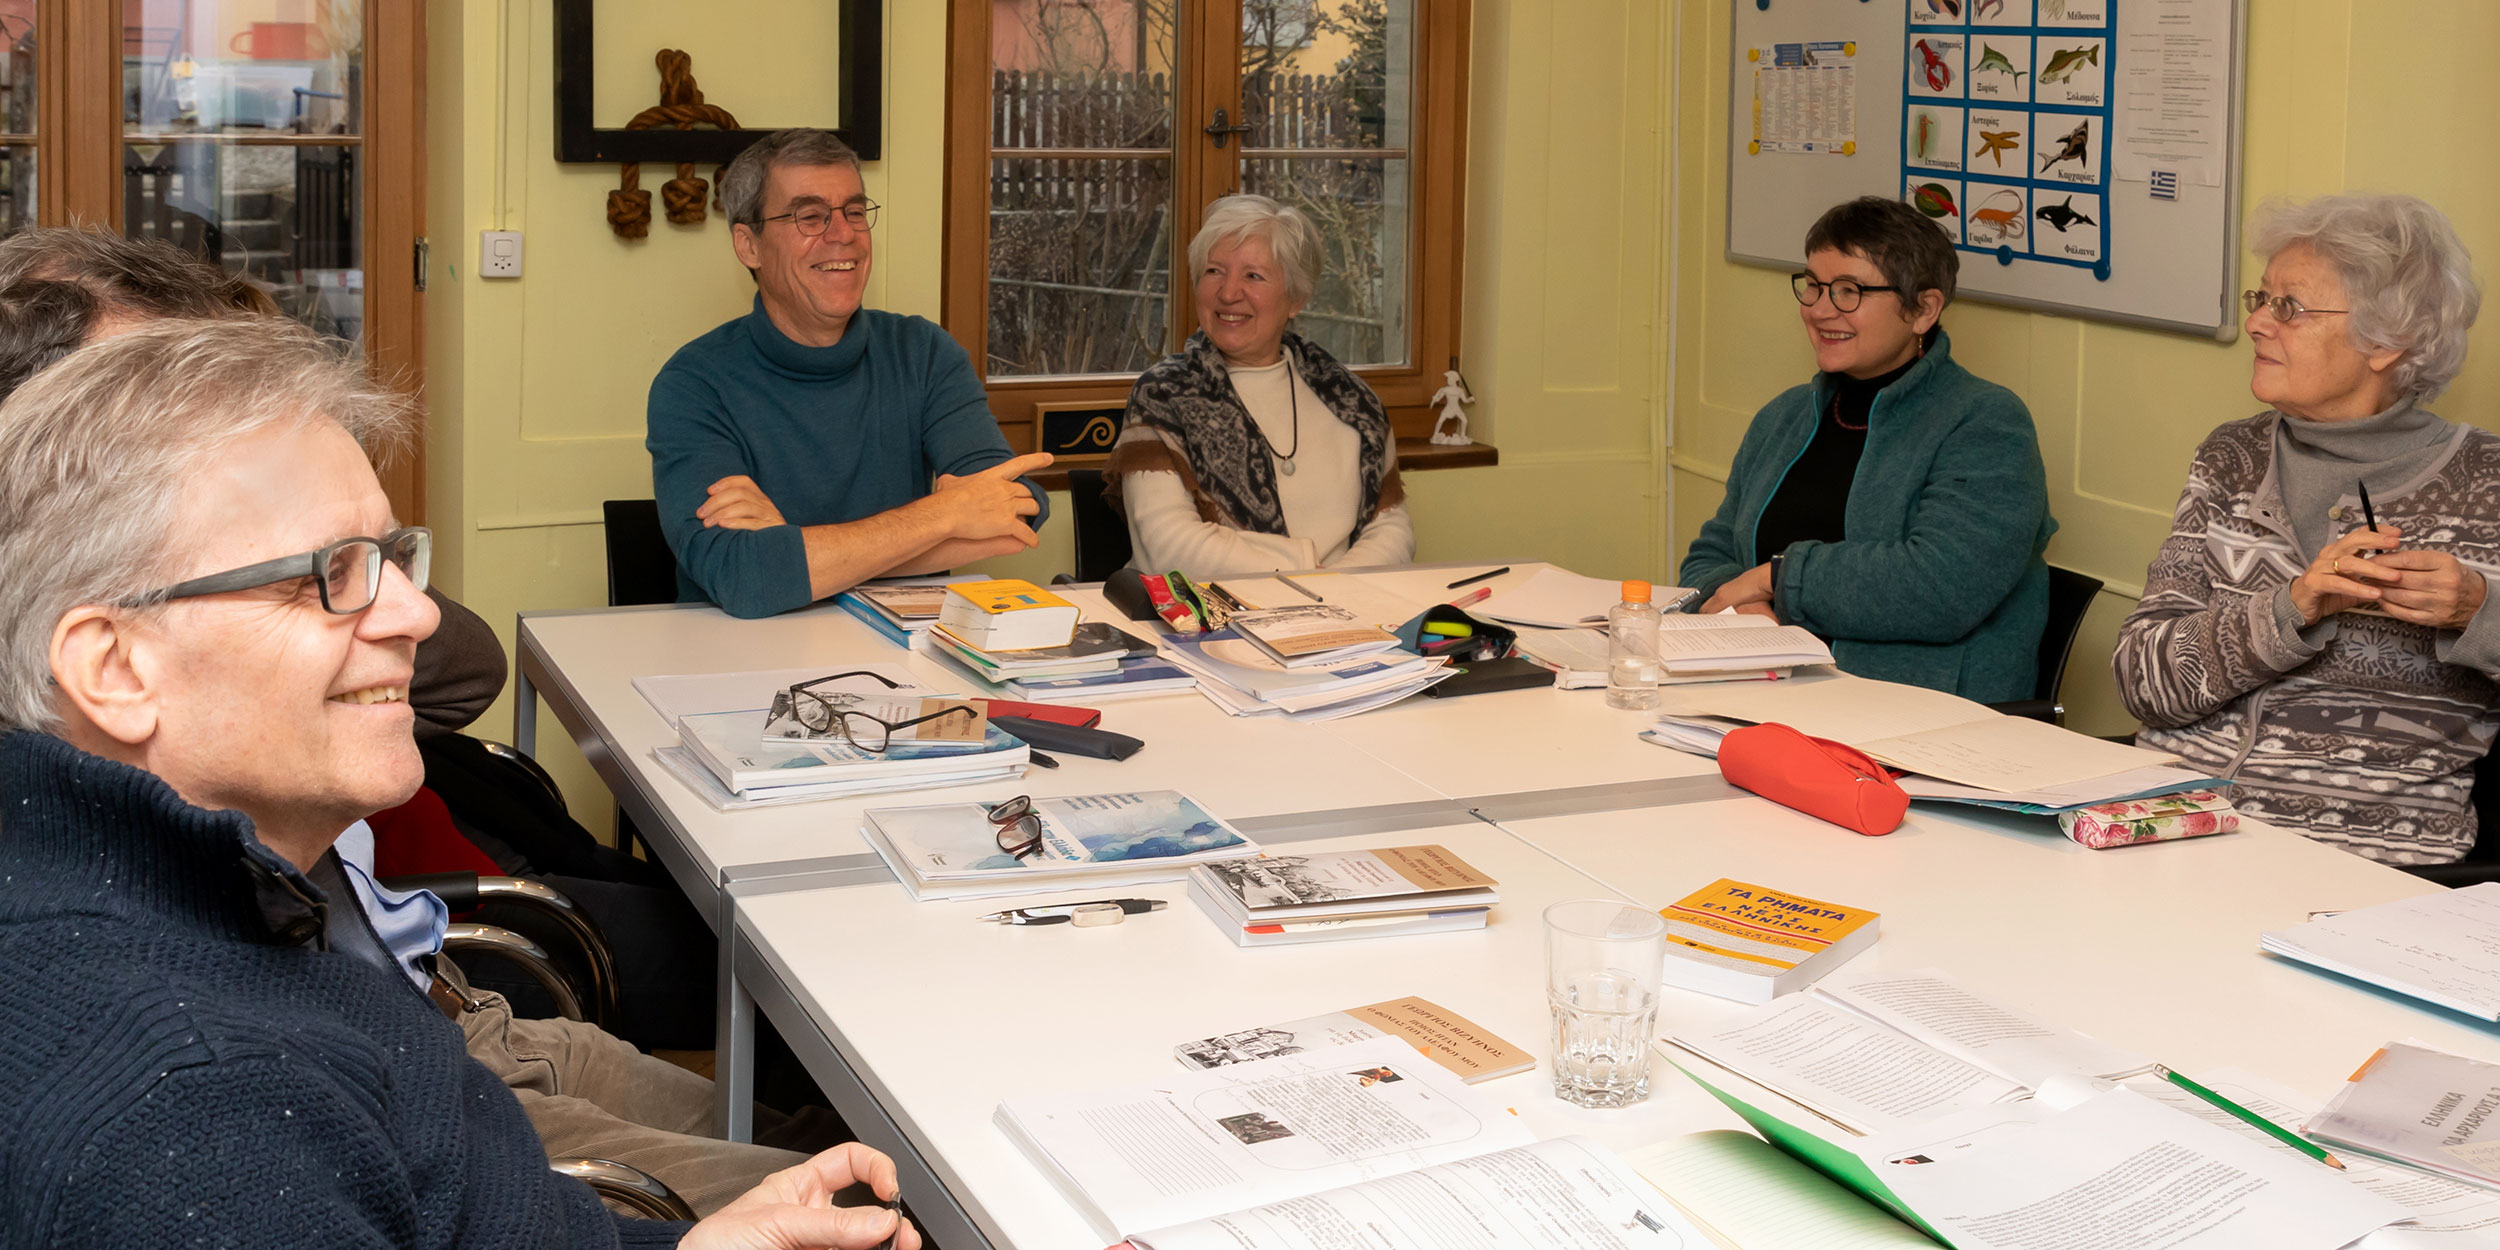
2005,131
1805,98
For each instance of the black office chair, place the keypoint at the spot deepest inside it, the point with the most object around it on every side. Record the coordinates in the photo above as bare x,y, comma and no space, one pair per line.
1102,544
641,569
2070,596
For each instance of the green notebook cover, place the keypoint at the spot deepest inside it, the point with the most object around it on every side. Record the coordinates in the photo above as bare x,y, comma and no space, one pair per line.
1821,1155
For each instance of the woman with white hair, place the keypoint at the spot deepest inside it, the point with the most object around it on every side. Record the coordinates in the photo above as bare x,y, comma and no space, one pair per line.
1251,449
2316,626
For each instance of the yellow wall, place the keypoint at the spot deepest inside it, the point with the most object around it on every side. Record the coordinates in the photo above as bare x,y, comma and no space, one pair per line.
2361,95
536,386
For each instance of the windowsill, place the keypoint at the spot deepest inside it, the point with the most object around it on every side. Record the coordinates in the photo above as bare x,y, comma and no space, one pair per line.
1415,455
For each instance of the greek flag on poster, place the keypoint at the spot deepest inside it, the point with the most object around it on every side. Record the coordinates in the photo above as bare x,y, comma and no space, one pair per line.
2165,184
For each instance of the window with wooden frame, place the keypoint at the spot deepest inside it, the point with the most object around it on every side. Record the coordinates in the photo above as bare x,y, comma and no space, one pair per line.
276,138
1086,138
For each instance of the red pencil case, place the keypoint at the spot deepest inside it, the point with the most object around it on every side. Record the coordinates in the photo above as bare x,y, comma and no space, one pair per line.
1822,778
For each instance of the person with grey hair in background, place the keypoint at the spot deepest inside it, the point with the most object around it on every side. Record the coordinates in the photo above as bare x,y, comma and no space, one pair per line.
2317,627
207,631
1252,449
813,444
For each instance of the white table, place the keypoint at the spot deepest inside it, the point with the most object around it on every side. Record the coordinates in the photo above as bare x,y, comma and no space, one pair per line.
918,1021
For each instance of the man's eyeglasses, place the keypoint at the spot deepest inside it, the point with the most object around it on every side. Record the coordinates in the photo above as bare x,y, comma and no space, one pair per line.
348,571
1019,827
824,715
812,220
1846,293
2285,308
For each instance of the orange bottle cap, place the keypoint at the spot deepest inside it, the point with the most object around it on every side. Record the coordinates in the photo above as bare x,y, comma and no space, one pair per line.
1636,592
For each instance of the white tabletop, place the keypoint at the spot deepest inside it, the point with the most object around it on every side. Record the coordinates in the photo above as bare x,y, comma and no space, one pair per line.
951,1017
2150,947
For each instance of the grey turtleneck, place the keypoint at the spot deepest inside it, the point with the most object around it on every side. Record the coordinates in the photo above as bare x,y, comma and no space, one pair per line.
2318,463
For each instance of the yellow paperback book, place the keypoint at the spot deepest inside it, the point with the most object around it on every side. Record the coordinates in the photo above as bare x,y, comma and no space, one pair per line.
1009,614
1752,944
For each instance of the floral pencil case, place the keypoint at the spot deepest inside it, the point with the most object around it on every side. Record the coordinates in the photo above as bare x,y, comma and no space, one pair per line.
2188,814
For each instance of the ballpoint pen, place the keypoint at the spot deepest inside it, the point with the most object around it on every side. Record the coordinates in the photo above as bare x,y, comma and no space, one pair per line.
2366,514
1300,589
1097,911
1478,577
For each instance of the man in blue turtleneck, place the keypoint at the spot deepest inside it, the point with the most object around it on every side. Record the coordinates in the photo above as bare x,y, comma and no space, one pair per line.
813,444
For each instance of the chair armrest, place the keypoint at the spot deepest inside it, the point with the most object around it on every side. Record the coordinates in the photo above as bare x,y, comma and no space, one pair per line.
531,957
466,891
628,1186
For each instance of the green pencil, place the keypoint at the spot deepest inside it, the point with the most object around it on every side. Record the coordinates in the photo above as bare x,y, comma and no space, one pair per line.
2254,1120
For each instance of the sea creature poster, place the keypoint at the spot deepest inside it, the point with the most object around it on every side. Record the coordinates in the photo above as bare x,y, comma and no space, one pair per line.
1932,137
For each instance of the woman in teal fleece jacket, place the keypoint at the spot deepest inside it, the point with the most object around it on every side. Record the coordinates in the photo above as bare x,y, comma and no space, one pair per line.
1896,504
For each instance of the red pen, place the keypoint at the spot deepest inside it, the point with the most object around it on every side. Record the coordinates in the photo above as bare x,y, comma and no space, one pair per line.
1478,595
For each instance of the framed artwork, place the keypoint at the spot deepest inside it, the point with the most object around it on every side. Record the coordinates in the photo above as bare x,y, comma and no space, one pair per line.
859,87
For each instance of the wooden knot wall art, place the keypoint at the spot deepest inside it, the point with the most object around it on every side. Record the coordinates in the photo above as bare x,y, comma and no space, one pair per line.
681,198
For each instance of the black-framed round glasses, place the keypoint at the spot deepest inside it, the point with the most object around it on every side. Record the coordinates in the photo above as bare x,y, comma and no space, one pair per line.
813,219
348,571
1846,293
869,733
2285,308
1019,826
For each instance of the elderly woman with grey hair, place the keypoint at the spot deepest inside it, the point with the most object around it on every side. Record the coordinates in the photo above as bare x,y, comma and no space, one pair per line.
2316,627
1251,449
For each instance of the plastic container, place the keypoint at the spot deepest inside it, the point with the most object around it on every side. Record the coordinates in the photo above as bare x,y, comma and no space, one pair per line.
1633,667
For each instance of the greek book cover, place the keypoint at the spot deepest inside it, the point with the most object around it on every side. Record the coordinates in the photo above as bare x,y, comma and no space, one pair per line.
1750,943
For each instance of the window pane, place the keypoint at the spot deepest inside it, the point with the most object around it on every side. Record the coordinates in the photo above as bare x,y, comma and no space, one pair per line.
1080,239
242,141
17,115
1080,265
1324,85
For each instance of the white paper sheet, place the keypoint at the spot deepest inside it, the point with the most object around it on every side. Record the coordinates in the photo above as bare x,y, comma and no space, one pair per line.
2119,1171
1558,599
1931,1007
2174,90
693,694
2443,947
1861,1074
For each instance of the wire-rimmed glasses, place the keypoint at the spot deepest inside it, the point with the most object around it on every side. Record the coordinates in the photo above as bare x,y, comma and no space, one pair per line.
348,571
2285,308
1846,293
832,712
815,218
1019,826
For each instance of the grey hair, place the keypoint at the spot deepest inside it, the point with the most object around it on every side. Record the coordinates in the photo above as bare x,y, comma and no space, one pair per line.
742,184
2406,275
96,453
1287,230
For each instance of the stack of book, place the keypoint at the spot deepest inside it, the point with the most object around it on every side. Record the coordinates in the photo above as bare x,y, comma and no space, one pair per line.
1093,650
728,759
1286,900
898,610
1753,944
1237,676
952,850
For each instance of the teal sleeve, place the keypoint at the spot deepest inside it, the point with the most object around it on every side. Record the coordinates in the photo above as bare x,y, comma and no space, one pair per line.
749,573
959,435
1973,530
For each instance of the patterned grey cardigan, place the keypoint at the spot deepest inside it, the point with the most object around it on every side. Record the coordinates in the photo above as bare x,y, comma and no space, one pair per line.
2358,731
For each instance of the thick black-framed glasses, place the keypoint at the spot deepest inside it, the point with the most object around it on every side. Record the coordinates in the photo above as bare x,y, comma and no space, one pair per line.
2285,308
1019,826
813,219
868,733
1846,293
348,571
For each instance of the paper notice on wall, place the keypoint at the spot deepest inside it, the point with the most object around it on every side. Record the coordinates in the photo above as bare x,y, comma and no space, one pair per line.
1805,98
2174,90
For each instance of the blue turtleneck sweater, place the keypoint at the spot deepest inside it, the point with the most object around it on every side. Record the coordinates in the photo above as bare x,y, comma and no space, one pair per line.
184,1062
830,434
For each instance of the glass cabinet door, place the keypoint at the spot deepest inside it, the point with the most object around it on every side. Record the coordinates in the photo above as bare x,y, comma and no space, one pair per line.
243,141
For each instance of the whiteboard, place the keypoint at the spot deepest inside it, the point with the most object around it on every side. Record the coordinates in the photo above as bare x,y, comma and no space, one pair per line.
2167,263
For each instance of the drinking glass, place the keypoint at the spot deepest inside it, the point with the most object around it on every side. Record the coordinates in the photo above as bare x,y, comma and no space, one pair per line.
1602,960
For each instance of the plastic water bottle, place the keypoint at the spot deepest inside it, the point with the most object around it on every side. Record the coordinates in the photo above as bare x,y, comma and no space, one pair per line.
1633,666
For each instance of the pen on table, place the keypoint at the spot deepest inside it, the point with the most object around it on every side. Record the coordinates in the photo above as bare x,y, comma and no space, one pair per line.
1300,589
1056,913
1474,596
1477,578
1231,601
1039,758
2253,1120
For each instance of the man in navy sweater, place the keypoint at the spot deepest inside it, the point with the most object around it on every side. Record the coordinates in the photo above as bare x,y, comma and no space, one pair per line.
813,444
207,630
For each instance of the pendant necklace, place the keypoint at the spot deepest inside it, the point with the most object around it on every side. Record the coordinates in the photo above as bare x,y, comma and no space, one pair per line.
1284,459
